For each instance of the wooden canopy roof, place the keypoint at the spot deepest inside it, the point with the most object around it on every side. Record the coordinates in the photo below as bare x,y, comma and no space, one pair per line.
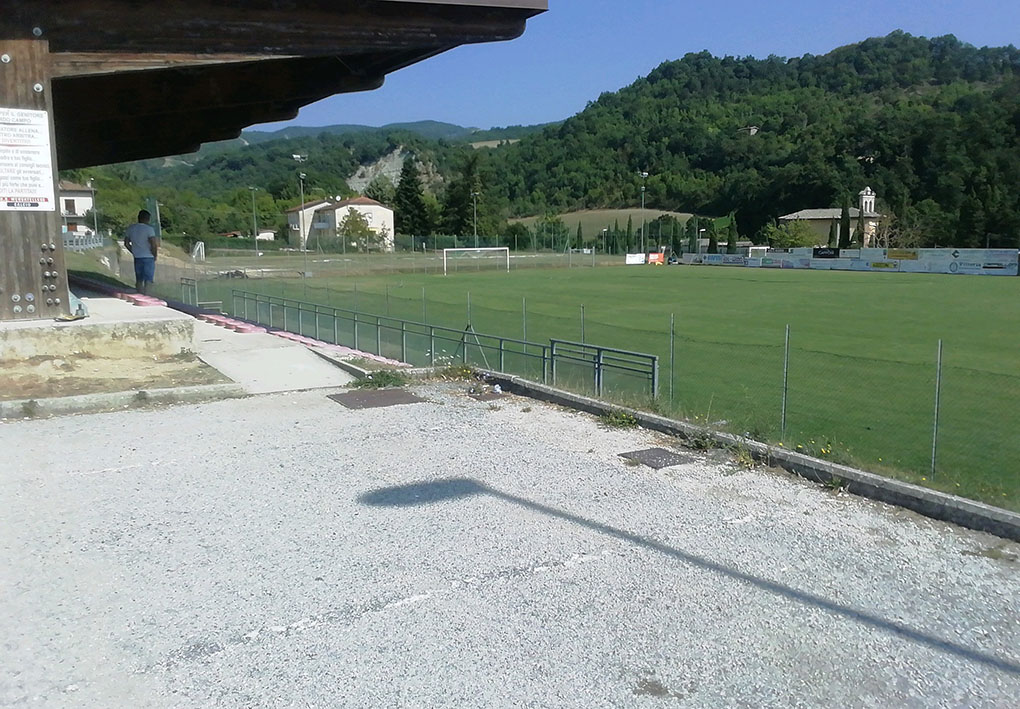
133,80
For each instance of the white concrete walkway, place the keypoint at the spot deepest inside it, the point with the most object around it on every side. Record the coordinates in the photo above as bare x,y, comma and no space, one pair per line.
264,363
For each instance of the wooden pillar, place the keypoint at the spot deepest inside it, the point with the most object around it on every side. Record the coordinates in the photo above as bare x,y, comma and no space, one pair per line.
33,280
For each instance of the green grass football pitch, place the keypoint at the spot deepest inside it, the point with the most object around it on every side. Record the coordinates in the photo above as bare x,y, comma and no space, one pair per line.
862,368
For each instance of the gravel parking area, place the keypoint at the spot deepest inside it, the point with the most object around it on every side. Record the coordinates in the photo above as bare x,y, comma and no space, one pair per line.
284,551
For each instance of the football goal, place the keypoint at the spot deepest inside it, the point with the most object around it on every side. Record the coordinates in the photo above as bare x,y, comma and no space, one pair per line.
476,259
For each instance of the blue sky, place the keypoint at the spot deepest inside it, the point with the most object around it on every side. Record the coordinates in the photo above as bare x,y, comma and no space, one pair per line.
581,48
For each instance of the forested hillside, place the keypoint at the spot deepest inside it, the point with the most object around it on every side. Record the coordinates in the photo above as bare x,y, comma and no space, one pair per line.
932,125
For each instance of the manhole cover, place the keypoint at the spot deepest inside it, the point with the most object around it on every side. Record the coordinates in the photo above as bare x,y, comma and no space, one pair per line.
485,396
657,458
375,399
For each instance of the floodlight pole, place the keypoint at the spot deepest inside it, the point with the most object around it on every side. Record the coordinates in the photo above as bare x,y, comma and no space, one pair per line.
302,238
644,220
474,205
95,212
254,221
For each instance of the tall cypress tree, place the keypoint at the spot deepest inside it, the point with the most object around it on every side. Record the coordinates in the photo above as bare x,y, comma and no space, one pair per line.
630,234
579,243
844,225
860,229
731,236
713,242
692,235
409,210
833,231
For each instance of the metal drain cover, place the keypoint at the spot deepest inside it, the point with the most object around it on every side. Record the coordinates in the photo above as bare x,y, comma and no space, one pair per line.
657,458
375,398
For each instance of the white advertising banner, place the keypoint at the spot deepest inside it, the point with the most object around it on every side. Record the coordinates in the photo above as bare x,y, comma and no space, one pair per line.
26,165
635,259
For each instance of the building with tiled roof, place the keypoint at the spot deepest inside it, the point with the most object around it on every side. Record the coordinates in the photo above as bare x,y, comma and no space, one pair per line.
326,219
820,219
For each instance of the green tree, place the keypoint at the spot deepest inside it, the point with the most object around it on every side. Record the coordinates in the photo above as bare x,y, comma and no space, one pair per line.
833,231
354,229
579,239
844,224
789,235
381,190
692,235
860,228
630,235
713,241
459,206
409,211
731,237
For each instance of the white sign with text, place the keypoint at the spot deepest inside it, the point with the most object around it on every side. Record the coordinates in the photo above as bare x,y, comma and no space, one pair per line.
26,165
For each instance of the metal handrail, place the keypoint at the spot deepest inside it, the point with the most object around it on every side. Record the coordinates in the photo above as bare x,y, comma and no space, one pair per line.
598,357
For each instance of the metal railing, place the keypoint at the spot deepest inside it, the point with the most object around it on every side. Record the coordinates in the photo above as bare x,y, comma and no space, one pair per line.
424,344
81,242
599,359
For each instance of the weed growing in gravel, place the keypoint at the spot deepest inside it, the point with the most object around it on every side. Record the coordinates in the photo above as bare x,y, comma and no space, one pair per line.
742,456
701,441
456,372
618,419
835,483
382,380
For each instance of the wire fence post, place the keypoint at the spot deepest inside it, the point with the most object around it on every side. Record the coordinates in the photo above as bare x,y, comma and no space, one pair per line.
424,307
387,299
672,350
524,318
355,295
786,379
582,323
469,307
938,396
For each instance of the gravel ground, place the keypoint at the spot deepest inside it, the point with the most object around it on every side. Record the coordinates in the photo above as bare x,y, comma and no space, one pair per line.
283,551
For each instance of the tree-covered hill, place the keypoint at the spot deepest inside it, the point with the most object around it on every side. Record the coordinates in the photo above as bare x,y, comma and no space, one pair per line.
932,125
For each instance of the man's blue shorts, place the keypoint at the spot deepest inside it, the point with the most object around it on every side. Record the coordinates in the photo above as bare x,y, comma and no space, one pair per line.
145,269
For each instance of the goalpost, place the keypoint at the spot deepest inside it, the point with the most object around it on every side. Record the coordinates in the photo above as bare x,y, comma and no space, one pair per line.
490,253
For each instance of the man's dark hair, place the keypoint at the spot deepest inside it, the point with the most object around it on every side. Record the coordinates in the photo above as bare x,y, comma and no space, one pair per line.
144,216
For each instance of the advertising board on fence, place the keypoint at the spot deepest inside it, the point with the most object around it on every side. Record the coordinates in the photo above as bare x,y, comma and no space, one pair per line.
635,259
657,259
984,262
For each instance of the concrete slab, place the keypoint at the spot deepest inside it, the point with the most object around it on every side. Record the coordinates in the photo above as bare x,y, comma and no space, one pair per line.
114,328
263,363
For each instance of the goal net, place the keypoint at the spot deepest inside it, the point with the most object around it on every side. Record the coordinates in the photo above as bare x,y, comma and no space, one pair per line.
494,257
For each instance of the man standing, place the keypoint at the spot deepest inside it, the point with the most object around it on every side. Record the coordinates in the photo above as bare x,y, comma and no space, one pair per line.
141,240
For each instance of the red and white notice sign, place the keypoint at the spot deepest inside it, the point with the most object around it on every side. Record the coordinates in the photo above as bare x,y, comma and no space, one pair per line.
26,165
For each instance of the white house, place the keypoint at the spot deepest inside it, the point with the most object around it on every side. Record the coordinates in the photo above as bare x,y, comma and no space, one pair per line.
75,203
329,219
299,221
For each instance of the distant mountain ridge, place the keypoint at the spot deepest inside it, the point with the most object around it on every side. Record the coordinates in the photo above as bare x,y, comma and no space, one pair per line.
430,130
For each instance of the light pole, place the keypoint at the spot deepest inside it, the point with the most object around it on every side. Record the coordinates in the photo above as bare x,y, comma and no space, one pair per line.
302,241
644,177
254,221
604,232
700,232
95,211
474,206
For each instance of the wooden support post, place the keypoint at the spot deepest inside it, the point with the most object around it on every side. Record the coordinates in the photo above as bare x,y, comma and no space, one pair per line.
33,279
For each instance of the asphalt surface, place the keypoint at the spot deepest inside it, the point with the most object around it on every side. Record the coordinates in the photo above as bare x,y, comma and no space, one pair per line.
283,551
